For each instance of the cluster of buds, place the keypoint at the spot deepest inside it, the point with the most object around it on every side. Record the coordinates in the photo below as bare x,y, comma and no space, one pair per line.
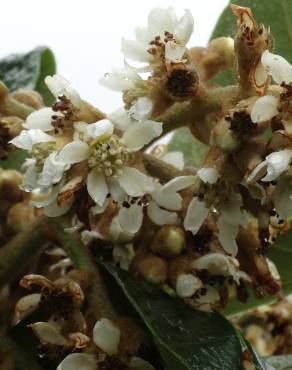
201,234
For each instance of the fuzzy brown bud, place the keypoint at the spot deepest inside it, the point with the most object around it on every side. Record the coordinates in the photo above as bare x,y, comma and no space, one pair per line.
169,241
12,124
10,181
150,267
19,217
28,97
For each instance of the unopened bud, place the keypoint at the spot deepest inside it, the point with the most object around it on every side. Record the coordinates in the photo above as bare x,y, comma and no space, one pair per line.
3,90
187,285
169,241
29,97
150,267
179,266
12,124
10,181
19,217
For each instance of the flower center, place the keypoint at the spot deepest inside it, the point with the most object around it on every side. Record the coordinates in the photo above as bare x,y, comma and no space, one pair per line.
108,155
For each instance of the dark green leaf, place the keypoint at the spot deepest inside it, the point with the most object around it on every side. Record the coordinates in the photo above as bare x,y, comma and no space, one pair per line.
280,253
27,71
193,150
187,339
14,160
273,13
280,362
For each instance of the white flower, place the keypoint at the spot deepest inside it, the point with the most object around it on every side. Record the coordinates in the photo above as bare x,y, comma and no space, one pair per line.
264,109
106,335
142,109
59,86
162,23
121,79
42,119
162,203
277,67
107,156
196,214
282,197
273,166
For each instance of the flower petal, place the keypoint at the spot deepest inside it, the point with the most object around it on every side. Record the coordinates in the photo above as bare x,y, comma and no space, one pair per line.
277,162
27,138
52,171
141,134
264,109
136,51
59,86
134,182
41,119
167,199
208,175
179,183
101,128
176,159
142,109
78,361
277,67
106,335
160,216
187,285
97,187
173,51
196,215
231,210
120,79
54,210
227,234
130,219
184,27
74,152
121,119
282,197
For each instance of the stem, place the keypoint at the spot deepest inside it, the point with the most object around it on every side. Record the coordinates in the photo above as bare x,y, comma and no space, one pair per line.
16,254
99,301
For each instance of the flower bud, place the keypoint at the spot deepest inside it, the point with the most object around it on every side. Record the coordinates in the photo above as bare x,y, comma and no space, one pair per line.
3,90
28,97
12,124
178,266
150,267
19,217
10,181
187,285
169,241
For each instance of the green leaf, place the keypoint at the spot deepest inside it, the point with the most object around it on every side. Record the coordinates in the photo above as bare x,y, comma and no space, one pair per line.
273,13
193,150
280,253
280,362
15,160
27,71
187,339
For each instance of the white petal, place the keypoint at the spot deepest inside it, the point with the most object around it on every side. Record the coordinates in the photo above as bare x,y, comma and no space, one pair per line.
106,336
59,86
277,163
27,138
120,79
100,128
48,334
117,234
227,234
142,109
264,109
167,199
161,20
208,175
141,134
179,183
258,172
117,193
196,215
160,216
53,210
277,66
173,51
231,210
52,171
130,219
121,119
187,285
184,27
97,209
137,363
41,119
282,197
136,51
26,305
29,178
78,361
134,182
74,152
97,187
176,159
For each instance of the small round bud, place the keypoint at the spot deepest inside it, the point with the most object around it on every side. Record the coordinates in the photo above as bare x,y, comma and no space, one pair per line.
28,97
169,241
152,268
12,124
3,90
19,217
10,181
187,285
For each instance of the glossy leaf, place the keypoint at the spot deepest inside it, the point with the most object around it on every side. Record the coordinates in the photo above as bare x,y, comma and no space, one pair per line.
187,339
280,362
27,71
